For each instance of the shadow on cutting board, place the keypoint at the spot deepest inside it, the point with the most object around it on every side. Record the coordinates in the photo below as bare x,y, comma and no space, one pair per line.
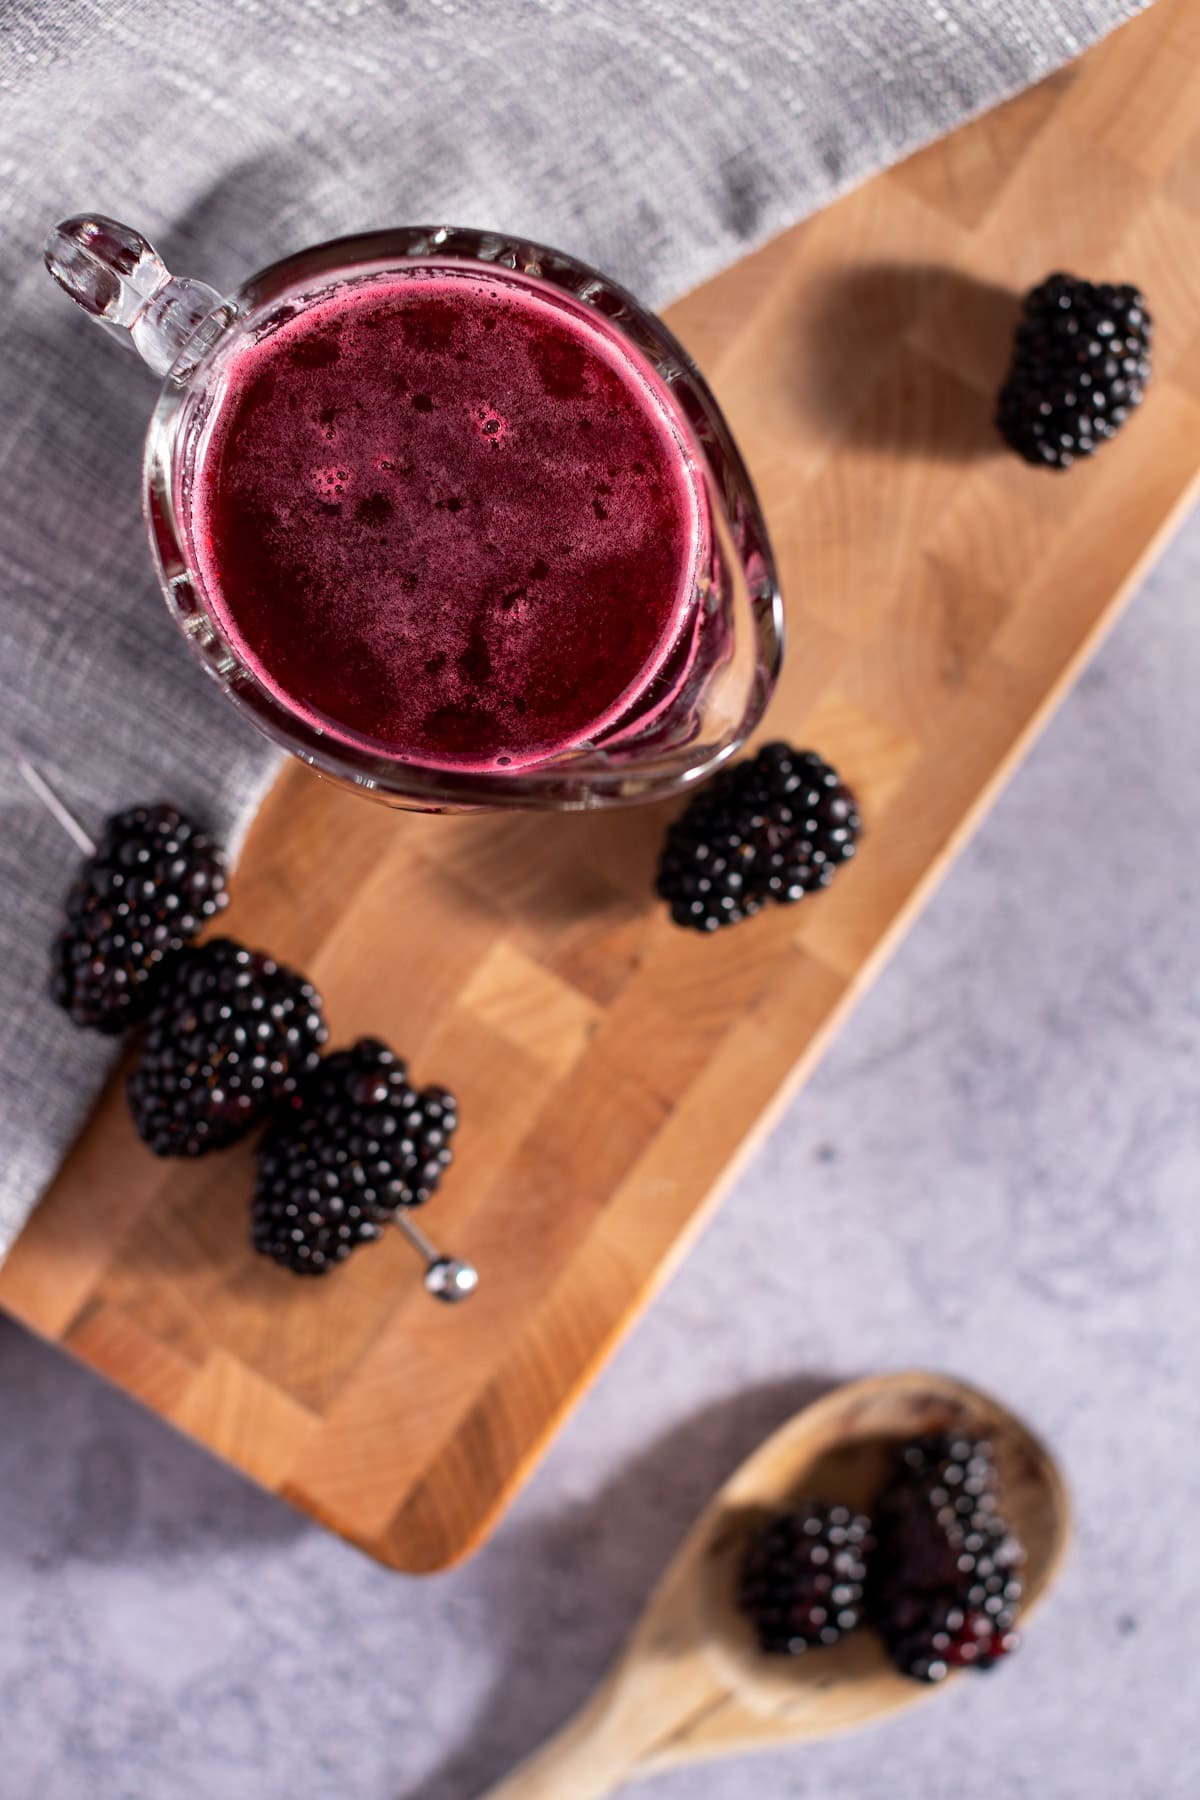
906,359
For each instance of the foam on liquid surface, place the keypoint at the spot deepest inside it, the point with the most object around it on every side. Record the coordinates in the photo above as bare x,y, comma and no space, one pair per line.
443,516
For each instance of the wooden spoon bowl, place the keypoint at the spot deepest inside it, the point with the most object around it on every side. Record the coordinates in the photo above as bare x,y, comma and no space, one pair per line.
692,1682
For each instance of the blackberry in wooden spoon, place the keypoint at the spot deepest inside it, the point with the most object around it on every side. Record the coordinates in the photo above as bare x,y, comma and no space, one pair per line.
231,1034
140,897
945,1587
802,1577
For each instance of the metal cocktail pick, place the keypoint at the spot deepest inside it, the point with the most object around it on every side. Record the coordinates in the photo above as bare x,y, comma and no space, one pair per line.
447,1278
34,779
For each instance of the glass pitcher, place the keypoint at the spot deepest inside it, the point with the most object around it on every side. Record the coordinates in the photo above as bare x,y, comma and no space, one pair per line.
710,677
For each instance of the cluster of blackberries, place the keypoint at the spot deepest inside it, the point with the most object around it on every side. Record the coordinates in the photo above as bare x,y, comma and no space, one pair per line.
231,1039
773,828
935,1570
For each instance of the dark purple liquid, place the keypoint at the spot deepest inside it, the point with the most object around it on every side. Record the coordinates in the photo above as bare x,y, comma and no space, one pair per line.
451,517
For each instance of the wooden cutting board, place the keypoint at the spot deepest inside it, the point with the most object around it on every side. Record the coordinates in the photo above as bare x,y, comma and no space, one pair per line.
613,1071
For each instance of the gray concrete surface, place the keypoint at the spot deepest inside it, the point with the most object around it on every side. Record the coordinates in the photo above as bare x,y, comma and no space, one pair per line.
996,1172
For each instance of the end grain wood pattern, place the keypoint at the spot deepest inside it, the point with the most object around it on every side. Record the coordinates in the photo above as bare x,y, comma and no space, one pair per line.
614,1071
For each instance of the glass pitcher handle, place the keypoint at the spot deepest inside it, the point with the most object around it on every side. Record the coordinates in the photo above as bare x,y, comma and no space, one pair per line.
115,275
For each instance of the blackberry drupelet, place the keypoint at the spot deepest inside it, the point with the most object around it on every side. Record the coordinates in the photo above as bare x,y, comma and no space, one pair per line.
802,1577
944,1590
773,828
1081,360
231,1034
144,893
356,1142
809,821
704,872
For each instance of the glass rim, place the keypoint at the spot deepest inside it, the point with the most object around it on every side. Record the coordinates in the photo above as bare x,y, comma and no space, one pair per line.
586,777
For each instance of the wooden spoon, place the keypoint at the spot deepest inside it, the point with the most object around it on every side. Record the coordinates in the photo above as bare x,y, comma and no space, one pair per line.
692,1683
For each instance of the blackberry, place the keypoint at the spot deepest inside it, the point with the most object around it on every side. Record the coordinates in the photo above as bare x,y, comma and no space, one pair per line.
1081,360
773,828
809,821
356,1142
231,1034
944,1591
139,898
705,871
802,1577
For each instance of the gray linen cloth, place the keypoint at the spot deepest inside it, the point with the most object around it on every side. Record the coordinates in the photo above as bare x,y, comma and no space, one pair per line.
659,139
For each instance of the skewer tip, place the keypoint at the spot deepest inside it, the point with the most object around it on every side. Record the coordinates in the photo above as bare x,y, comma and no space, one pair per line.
450,1280
33,778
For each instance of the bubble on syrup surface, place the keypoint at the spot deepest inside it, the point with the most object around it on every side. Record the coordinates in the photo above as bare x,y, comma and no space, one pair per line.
491,425
330,484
